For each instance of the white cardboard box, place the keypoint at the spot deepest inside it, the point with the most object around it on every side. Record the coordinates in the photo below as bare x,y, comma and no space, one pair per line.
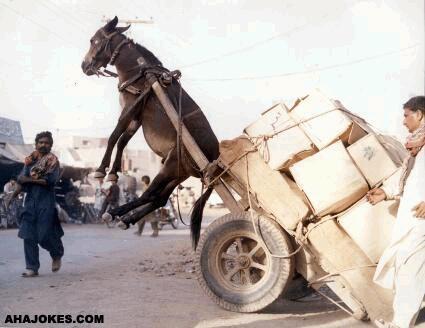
275,192
320,119
370,226
372,159
330,180
285,147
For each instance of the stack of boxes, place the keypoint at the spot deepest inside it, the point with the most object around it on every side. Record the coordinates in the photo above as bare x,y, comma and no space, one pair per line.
334,161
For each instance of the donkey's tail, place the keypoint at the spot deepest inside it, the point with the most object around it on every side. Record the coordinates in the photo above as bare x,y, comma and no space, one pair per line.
196,217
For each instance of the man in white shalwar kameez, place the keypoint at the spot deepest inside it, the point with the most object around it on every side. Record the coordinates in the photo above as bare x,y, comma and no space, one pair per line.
402,265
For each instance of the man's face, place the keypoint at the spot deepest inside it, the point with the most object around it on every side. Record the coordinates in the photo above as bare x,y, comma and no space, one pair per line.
43,145
412,120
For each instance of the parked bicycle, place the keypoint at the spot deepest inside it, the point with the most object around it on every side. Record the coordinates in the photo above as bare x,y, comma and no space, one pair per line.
168,215
10,217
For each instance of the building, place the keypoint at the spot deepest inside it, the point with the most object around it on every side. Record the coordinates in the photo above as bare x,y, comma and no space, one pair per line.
10,132
80,142
88,152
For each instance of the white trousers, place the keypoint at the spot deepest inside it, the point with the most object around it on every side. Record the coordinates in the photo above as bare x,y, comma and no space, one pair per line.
409,290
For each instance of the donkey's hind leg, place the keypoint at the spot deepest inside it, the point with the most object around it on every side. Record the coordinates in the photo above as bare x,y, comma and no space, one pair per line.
159,201
122,142
166,175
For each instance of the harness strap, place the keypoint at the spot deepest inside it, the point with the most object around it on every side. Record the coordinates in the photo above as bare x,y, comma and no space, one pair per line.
123,86
117,50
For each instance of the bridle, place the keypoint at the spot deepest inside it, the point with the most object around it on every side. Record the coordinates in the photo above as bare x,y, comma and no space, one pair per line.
106,48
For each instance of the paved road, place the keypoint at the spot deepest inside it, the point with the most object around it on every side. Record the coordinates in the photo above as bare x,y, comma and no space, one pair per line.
135,282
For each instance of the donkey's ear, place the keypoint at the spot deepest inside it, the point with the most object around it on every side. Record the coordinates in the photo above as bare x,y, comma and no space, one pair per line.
122,29
110,26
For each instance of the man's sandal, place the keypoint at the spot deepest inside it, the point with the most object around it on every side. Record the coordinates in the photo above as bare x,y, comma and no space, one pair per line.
29,273
56,264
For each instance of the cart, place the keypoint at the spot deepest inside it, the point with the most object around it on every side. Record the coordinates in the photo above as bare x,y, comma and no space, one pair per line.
246,259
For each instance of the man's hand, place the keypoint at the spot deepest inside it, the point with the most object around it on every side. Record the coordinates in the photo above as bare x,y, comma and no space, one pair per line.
24,179
375,196
419,210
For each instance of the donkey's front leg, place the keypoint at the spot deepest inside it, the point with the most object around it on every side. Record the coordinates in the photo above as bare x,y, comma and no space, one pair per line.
122,142
113,138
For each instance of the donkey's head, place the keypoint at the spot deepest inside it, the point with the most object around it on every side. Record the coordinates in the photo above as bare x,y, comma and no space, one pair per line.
102,45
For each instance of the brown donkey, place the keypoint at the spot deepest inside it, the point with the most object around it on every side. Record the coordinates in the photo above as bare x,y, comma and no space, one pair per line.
109,46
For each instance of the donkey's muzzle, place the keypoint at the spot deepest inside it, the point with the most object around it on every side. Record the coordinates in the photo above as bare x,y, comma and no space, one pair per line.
87,68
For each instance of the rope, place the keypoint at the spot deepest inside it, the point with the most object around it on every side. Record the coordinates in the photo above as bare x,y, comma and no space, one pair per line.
179,133
338,273
335,303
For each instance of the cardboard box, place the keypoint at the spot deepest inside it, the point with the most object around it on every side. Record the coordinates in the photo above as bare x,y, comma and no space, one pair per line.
320,119
330,180
275,192
372,159
284,148
370,226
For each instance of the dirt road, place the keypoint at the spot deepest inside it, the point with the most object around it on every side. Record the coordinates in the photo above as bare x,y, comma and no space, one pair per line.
135,282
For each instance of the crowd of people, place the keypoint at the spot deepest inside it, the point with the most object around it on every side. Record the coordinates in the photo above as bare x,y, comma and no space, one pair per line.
68,194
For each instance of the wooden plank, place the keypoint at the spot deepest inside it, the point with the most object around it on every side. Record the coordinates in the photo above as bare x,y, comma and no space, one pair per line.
340,254
227,197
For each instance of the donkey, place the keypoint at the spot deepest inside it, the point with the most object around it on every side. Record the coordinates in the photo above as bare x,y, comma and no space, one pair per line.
109,46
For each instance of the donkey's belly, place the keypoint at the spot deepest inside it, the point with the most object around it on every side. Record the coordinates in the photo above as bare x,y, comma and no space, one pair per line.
160,143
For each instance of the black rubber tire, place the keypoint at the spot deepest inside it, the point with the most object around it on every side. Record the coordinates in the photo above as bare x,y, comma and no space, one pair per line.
273,282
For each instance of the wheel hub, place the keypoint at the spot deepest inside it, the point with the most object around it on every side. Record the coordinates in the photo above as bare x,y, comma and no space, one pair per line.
244,261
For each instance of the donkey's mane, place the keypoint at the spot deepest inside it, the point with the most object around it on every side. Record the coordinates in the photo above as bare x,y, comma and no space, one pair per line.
148,55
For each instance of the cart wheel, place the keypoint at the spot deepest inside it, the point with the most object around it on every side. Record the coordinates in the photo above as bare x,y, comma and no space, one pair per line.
234,267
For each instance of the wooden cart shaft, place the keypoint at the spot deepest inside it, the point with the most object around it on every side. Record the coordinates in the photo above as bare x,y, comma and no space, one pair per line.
192,147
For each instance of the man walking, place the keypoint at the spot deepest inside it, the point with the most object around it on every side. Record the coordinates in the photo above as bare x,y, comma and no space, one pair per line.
40,224
150,217
112,197
402,265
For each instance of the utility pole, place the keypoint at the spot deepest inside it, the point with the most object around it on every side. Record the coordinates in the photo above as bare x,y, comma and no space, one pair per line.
130,21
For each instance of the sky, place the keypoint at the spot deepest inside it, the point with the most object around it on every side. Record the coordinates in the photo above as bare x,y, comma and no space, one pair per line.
237,58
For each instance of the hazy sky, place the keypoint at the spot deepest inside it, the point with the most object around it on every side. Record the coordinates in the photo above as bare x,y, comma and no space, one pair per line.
237,58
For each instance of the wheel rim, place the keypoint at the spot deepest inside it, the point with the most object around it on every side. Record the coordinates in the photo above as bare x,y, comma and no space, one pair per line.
243,263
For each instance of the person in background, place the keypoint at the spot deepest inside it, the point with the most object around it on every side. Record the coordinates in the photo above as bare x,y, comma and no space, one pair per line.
112,197
11,186
99,196
402,265
151,217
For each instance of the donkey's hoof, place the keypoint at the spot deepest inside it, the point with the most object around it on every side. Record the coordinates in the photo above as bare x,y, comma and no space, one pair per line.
112,177
107,218
98,175
123,225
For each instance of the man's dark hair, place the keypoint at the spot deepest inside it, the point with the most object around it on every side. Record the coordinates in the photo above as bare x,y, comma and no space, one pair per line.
13,178
44,134
146,179
415,104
